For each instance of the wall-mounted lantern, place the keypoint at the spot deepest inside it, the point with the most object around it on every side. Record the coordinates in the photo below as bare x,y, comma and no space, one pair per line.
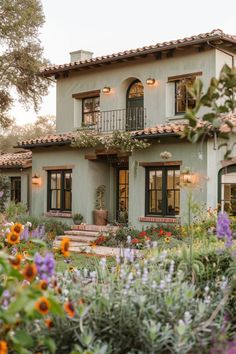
106,89
35,179
150,81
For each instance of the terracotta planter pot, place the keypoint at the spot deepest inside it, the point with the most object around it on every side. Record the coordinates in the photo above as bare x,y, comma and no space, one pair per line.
100,217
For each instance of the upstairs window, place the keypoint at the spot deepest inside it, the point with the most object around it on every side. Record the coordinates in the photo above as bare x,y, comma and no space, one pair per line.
90,110
183,99
59,190
15,189
163,190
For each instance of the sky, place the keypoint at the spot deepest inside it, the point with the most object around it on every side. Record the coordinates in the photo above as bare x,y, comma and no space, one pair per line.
107,26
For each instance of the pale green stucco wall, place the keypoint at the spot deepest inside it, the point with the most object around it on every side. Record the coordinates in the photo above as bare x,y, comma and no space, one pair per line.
25,183
86,176
158,100
181,151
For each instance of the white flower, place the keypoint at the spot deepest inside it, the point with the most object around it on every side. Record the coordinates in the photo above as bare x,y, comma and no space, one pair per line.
28,224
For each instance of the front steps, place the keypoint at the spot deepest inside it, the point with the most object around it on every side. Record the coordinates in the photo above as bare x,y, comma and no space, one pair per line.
83,236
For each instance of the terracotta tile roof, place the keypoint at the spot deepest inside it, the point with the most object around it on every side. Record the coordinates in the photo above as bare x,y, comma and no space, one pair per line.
187,41
20,160
177,127
51,139
172,128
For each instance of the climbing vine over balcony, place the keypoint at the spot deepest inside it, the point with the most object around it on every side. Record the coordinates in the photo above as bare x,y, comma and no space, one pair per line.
123,141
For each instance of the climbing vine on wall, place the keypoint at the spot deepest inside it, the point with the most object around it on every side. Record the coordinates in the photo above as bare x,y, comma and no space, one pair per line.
122,141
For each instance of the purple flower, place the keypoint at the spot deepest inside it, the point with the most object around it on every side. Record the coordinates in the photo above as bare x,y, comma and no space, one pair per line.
45,265
25,234
223,228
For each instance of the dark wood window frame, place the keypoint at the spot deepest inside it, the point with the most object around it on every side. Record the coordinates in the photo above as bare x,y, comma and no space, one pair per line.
164,189
15,189
188,97
92,112
62,190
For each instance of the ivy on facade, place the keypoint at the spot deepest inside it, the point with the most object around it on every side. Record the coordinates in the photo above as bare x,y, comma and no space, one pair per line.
122,141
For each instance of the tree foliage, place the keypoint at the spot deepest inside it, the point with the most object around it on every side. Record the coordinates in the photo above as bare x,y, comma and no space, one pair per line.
21,55
219,99
14,133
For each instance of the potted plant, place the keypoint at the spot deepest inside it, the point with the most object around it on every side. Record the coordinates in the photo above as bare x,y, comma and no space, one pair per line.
77,218
100,214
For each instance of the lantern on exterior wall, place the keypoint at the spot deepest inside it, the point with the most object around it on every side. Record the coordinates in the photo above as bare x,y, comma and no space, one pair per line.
189,179
106,89
35,179
150,81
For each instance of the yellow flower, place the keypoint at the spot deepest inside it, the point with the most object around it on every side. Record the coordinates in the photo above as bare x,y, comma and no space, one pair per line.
65,245
30,272
167,239
13,238
42,305
16,261
69,308
3,347
17,228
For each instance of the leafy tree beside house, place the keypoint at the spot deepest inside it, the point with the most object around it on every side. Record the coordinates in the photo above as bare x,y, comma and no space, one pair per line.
14,133
21,55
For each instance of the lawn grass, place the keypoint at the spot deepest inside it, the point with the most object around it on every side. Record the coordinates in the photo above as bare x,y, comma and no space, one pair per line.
80,261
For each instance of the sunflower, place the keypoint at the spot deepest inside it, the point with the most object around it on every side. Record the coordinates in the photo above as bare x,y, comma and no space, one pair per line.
167,239
42,305
43,285
13,238
30,271
16,261
17,228
3,347
65,244
49,323
69,308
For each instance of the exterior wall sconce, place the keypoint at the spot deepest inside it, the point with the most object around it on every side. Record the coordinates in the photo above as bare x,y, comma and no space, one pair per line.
35,179
189,179
106,89
150,81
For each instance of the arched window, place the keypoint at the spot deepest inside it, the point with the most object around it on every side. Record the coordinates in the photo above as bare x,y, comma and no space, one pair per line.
134,106
227,189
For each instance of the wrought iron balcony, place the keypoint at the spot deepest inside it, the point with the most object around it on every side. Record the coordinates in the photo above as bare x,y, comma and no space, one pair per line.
121,119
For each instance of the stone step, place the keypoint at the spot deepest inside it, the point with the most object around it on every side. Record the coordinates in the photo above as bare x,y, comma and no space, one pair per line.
78,238
96,228
79,245
82,233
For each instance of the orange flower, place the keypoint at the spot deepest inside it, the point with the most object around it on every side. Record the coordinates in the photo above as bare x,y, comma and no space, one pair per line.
13,238
42,305
65,244
69,308
49,323
3,347
16,261
17,228
43,285
30,271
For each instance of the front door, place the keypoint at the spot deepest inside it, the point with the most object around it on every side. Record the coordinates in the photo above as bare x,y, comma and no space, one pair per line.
134,107
122,195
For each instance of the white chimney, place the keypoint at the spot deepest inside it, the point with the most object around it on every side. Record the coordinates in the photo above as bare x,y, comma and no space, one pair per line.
80,55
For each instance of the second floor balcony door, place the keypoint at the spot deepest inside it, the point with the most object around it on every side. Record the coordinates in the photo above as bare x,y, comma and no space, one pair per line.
134,106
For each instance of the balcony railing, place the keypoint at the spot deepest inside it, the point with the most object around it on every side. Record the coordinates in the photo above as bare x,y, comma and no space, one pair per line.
121,119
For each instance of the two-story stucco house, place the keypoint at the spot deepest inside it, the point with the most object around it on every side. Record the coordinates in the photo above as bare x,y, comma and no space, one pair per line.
141,90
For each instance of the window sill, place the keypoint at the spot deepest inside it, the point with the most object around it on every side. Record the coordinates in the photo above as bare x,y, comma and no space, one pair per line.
159,219
177,117
58,214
